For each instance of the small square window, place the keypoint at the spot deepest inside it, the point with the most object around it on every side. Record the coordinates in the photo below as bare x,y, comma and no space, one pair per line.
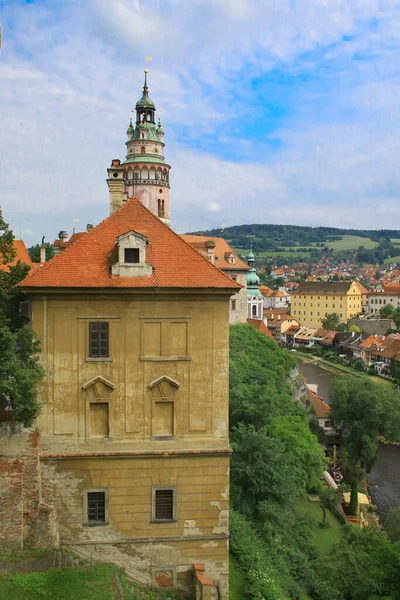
95,506
98,339
164,504
131,255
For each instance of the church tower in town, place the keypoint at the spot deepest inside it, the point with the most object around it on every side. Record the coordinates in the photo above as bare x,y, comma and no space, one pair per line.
144,173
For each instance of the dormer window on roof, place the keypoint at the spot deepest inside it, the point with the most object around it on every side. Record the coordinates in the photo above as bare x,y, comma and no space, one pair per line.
132,256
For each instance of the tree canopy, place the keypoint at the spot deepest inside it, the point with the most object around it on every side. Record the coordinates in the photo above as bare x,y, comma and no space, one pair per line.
361,411
332,322
20,369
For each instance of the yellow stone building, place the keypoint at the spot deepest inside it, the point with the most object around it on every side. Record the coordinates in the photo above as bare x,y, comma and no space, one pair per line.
312,301
133,432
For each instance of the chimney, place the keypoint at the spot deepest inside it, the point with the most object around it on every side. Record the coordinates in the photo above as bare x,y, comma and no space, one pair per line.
116,184
89,226
279,317
42,253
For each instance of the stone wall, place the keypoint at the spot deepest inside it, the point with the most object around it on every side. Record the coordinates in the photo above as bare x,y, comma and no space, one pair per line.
373,326
25,522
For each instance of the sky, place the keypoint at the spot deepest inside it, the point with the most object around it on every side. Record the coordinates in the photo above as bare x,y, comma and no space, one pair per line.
274,111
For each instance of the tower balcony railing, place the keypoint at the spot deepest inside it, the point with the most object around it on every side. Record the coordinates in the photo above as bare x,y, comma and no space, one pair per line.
161,182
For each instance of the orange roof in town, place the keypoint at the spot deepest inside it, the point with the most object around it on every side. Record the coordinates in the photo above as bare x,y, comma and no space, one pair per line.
265,290
277,316
390,351
322,409
292,330
261,326
87,262
362,288
222,251
388,290
329,337
21,253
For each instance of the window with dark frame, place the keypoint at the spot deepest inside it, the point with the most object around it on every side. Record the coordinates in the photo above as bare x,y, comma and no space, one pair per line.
164,505
98,339
96,507
131,255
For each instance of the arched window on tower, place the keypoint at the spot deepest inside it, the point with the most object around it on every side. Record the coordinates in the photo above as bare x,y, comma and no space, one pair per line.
254,310
162,208
159,208
143,150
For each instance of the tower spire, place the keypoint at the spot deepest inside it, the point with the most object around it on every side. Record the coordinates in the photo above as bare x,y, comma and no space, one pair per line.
144,172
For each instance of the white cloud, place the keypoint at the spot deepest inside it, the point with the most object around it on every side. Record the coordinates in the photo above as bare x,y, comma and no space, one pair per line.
70,80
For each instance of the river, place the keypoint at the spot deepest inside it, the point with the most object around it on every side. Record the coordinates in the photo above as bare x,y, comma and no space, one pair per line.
385,475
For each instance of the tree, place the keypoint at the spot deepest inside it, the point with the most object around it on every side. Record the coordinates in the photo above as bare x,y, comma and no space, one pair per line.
361,411
387,311
307,455
20,369
392,523
365,565
396,317
354,328
34,252
328,499
332,322
259,386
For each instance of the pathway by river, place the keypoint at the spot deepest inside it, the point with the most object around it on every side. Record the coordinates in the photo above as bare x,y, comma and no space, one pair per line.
385,476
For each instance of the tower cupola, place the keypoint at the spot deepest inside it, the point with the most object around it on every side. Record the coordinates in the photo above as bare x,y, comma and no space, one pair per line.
145,107
144,173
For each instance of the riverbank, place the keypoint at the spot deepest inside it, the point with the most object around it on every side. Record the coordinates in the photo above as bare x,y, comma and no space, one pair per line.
337,369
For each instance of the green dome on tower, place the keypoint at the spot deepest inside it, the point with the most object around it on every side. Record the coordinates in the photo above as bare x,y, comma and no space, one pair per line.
145,101
131,128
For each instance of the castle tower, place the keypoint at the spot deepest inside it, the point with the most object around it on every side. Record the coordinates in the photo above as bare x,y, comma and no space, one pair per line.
145,173
254,296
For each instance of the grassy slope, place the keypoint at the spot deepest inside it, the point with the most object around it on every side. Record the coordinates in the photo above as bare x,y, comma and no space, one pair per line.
323,539
89,583
348,242
237,581
392,259
352,242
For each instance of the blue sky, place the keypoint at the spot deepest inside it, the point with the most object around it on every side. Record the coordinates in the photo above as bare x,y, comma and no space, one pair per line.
282,112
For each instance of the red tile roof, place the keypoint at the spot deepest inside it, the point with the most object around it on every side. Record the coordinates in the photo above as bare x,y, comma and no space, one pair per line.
87,263
261,326
222,251
21,253
322,409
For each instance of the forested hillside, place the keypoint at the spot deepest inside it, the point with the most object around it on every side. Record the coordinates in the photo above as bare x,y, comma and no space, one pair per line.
292,235
301,243
276,539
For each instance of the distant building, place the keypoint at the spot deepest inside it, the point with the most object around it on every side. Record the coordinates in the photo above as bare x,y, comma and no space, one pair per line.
144,173
278,322
381,295
312,301
254,296
21,255
274,299
220,254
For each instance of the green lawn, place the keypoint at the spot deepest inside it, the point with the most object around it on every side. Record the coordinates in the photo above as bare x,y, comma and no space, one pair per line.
392,259
324,539
348,242
237,581
88,583
352,242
